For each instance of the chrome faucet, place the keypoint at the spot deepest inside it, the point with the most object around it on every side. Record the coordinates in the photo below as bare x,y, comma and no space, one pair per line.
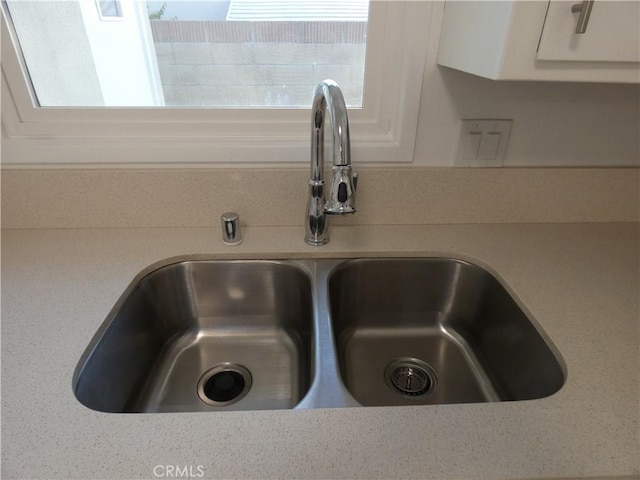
328,99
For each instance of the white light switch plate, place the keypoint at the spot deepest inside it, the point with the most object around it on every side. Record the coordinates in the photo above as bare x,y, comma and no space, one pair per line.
482,143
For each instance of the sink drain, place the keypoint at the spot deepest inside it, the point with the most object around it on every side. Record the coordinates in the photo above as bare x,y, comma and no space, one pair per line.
224,384
410,377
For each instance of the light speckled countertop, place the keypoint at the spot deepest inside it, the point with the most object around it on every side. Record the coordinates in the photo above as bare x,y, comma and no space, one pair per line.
580,282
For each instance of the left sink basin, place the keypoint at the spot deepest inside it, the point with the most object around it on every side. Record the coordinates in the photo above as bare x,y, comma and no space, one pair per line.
203,335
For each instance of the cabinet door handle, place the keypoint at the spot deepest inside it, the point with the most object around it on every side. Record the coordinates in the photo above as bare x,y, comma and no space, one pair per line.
585,12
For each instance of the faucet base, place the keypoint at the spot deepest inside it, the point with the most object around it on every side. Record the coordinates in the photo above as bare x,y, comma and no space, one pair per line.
316,243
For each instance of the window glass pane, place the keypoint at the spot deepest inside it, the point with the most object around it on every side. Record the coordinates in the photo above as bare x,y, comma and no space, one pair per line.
221,53
109,8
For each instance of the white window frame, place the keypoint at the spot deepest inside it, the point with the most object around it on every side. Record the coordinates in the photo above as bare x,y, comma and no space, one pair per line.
383,131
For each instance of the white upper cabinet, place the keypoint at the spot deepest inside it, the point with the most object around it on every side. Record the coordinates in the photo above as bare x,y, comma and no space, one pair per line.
609,32
538,40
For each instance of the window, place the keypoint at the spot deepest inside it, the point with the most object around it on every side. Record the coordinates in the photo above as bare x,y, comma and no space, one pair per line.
158,114
109,8
236,53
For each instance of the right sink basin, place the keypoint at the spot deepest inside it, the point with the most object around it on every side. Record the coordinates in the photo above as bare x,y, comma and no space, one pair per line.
434,330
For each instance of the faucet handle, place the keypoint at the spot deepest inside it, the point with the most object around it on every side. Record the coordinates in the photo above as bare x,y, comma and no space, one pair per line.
341,192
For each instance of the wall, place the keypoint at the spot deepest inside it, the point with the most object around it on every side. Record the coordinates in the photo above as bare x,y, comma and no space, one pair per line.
72,54
554,124
62,76
257,63
123,54
386,196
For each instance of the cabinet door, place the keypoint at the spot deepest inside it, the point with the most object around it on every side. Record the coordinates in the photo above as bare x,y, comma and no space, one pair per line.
612,33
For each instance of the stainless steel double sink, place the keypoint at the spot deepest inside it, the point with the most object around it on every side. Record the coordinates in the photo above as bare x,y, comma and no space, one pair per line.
192,335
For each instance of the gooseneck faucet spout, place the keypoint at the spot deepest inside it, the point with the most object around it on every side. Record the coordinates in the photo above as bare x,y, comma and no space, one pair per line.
328,100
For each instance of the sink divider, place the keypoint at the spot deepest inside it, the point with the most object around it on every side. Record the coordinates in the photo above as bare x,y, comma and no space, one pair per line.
327,389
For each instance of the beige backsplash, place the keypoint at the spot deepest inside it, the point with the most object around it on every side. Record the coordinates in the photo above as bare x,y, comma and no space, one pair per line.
79,198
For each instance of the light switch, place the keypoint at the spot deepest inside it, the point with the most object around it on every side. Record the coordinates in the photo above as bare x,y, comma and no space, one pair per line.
472,145
489,146
482,143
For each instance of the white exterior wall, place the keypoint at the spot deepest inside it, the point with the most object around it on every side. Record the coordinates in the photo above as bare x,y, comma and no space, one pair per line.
124,56
75,58
57,51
